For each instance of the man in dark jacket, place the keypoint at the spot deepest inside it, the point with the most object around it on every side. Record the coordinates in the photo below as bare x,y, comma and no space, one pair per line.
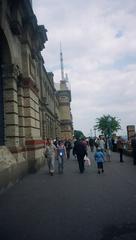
80,151
133,145
120,148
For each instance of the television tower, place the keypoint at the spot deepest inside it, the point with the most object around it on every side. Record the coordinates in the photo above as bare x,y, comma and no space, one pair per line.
61,63
66,124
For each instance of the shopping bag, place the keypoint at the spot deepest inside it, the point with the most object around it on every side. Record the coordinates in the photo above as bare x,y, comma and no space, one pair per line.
87,161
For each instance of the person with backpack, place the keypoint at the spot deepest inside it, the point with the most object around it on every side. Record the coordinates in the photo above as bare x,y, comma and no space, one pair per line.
99,158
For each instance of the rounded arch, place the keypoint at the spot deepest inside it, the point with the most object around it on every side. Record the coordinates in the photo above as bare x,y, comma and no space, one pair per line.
5,59
5,55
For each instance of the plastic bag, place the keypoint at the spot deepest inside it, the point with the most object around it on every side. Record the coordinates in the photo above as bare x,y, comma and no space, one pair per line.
87,161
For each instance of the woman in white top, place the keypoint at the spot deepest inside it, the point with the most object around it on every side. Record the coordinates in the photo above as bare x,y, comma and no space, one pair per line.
50,153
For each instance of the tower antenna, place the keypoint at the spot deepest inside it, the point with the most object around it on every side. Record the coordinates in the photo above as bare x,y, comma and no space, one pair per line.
61,63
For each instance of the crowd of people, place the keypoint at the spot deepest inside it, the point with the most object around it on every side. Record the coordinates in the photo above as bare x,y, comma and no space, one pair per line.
57,150
102,147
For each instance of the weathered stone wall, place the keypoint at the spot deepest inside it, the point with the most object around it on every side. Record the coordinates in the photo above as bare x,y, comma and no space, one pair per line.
22,43
31,106
11,169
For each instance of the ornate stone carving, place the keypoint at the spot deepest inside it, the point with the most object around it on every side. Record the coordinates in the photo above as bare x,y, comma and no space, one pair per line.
29,83
15,27
14,23
10,71
42,32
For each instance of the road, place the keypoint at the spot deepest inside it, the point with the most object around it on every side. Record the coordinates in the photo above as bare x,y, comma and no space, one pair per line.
72,206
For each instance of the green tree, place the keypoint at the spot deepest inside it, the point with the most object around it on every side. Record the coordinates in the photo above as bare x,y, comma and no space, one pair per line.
107,125
78,134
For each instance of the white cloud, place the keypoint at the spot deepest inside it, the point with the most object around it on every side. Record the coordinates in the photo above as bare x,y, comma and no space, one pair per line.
99,48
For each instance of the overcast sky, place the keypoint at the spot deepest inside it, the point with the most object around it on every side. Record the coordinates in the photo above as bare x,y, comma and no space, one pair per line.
99,49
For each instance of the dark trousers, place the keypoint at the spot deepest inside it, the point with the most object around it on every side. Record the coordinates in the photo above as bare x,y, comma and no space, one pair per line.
134,157
100,165
60,164
68,153
121,154
92,148
81,163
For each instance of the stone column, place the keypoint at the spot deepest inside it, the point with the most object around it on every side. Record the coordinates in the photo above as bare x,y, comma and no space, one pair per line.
44,124
10,74
21,115
31,109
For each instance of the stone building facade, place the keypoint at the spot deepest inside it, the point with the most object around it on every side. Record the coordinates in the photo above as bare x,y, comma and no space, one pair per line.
29,102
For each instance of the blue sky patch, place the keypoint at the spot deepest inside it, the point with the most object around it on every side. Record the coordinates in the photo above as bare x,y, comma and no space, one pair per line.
120,63
123,62
119,34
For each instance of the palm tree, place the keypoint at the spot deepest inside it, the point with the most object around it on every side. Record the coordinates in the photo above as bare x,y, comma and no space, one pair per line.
107,125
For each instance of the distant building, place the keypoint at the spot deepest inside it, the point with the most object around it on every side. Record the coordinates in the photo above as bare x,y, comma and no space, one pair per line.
130,131
66,125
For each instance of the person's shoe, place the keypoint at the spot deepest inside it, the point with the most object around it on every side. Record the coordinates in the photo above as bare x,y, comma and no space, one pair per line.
102,170
98,172
51,173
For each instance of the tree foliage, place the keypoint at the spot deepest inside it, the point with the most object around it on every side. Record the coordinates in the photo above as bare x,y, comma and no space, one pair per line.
107,125
78,134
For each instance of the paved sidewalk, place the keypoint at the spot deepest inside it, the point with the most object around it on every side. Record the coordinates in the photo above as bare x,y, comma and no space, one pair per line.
72,205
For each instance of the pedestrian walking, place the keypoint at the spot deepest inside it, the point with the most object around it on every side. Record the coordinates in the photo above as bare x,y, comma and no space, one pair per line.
55,142
108,149
114,144
75,141
133,145
80,151
91,144
99,158
61,154
50,153
68,147
96,142
101,143
120,146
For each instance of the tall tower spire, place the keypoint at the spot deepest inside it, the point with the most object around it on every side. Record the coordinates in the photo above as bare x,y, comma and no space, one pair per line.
64,94
61,63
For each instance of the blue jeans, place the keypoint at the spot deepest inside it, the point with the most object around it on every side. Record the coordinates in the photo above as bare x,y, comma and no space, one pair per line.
60,164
